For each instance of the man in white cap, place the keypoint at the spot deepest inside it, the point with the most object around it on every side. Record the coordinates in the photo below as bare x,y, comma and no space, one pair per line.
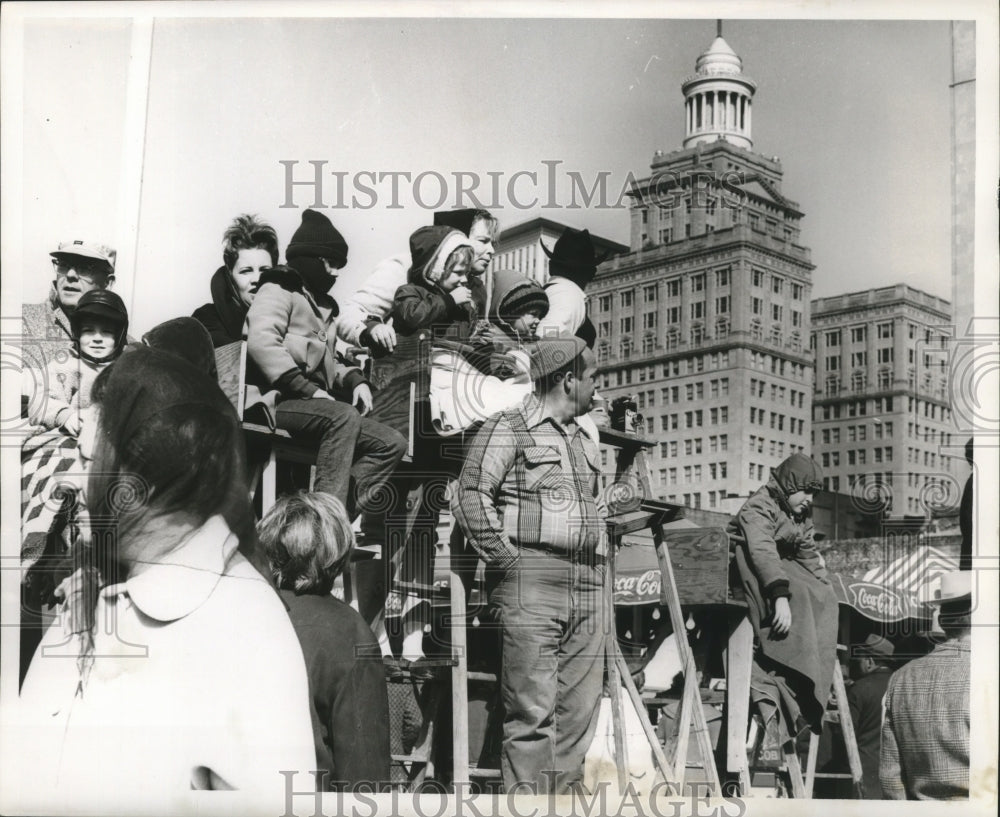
925,735
79,266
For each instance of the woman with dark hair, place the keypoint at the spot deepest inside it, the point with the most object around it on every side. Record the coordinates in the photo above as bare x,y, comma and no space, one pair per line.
187,673
248,247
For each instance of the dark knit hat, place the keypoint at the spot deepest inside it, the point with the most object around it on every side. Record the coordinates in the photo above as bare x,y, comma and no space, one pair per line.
456,219
104,305
317,238
798,473
521,299
554,354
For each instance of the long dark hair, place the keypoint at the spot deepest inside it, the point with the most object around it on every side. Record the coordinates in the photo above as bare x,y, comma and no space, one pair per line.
168,456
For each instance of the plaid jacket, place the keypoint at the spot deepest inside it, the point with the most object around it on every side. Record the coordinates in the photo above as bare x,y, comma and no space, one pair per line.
925,735
529,482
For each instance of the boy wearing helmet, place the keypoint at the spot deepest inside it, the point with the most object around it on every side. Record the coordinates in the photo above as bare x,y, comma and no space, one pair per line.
100,326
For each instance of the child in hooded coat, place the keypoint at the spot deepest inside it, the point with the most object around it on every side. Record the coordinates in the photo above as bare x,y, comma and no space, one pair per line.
290,339
516,307
792,605
436,303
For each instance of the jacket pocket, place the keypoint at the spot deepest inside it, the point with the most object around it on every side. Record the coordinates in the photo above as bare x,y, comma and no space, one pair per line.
542,468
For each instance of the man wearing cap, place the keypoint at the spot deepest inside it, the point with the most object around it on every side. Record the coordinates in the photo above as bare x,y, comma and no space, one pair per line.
364,316
925,736
572,265
870,670
79,266
528,501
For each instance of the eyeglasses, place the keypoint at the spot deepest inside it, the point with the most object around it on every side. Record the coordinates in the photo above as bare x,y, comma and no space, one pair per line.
84,269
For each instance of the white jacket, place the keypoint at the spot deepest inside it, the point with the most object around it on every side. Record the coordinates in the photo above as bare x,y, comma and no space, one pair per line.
373,298
567,309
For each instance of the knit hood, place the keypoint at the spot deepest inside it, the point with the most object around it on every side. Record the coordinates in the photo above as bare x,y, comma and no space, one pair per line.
513,295
430,248
797,473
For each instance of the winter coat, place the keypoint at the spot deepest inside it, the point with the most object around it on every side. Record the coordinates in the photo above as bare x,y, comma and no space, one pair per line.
225,316
372,300
290,339
493,339
68,383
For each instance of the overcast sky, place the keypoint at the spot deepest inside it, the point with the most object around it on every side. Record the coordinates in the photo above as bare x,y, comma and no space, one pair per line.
857,111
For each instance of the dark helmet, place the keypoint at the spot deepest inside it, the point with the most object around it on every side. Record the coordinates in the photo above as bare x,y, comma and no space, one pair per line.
103,304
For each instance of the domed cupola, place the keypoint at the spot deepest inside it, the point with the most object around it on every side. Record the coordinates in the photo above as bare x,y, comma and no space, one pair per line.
717,99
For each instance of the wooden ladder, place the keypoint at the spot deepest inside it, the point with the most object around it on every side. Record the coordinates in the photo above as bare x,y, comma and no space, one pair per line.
632,461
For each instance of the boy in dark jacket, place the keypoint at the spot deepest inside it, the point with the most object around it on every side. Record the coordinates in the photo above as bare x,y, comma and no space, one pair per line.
516,307
290,339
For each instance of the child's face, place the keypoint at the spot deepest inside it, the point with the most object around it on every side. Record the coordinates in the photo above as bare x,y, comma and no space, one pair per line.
528,323
800,501
97,339
455,278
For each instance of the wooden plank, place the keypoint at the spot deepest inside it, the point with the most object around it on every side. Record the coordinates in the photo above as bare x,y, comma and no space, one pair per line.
614,682
738,663
847,728
811,763
662,764
459,677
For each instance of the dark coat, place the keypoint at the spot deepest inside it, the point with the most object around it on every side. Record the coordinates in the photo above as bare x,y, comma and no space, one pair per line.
347,693
225,315
865,700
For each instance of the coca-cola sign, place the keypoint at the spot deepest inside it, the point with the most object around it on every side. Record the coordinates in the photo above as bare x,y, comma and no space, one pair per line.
635,586
878,600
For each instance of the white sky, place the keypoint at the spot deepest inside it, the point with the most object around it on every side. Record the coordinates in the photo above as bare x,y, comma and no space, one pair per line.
858,112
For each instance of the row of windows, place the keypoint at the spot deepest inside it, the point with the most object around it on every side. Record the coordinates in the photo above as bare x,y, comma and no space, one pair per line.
883,331
929,434
777,312
853,408
716,442
692,473
915,456
776,448
880,430
694,419
777,420
694,364
776,365
757,389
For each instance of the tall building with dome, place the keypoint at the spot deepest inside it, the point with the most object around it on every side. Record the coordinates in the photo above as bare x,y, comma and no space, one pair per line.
706,319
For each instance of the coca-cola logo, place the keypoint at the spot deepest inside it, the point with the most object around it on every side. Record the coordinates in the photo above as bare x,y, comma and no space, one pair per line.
878,600
644,584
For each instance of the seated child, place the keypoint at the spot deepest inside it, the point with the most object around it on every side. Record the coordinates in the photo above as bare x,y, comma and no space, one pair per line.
435,303
308,540
517,306
100,325
792,605
290,339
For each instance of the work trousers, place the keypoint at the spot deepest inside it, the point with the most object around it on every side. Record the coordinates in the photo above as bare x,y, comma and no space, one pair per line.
554,622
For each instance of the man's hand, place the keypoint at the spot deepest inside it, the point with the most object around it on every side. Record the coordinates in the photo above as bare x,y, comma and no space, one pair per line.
383,335
461,295
320,394
362,398
71,425
781,618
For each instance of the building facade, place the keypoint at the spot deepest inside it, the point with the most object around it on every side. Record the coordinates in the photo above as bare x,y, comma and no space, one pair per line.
519,247
881,407
706,318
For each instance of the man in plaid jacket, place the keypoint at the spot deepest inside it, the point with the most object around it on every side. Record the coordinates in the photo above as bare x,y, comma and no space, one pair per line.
925,734
528,501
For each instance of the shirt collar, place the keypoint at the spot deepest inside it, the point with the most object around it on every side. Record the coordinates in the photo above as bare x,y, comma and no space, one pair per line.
183,581
531,410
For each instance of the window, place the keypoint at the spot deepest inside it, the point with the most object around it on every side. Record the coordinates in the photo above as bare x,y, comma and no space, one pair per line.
722,304
698,282
776,312
723,442
833,363
649,294
722,278
674,315
797,292
626,326
758,278
674,288
833,338
859,334
605,303
604,329
603,354
648,345
649,320
885,355
626,353
626,298
777,285
884,330
757,306
859,360
698,310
